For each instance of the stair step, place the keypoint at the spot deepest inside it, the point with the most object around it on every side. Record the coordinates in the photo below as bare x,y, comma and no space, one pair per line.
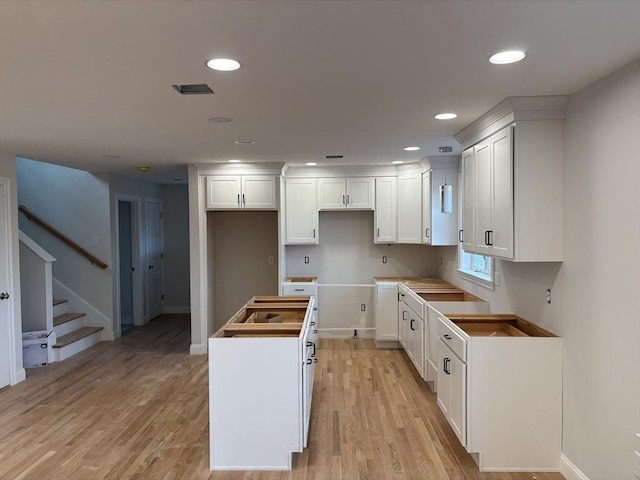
59,301
66,317
69,338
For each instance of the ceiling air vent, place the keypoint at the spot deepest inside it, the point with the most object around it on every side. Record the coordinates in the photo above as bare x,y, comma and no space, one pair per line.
193,89
445,149
334,156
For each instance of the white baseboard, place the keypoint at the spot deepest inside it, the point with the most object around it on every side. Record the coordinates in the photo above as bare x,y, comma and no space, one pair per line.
197,349
186,309
569,471
19,376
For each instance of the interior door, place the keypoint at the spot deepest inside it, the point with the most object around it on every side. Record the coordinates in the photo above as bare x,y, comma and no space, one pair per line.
5,287
154,255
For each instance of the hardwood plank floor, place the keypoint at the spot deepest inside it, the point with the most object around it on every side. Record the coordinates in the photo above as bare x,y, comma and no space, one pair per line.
137,408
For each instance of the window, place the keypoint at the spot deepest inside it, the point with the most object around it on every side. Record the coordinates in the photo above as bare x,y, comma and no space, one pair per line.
480,267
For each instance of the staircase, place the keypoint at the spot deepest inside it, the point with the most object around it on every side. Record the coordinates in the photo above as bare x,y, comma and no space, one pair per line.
72,334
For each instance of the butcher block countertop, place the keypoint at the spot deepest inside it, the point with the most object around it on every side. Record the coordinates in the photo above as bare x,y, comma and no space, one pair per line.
418,282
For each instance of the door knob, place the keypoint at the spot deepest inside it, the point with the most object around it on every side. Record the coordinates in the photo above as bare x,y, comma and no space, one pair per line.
4,295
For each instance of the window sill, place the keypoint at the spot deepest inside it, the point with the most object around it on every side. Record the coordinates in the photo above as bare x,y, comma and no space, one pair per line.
477,278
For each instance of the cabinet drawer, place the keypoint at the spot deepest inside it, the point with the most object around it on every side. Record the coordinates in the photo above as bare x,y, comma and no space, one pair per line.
299,289
413,301
451,338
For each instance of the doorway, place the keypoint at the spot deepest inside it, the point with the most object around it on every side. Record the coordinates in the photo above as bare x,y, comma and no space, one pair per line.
129,297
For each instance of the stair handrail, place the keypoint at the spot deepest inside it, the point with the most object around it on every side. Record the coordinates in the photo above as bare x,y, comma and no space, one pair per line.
70,243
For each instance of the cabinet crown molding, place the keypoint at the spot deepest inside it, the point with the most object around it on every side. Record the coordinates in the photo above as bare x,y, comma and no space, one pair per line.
509,110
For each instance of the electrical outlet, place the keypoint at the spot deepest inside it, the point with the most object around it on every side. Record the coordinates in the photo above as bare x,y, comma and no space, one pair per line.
384,259
363,308
306,259
441,261
95,242
270,260
548,295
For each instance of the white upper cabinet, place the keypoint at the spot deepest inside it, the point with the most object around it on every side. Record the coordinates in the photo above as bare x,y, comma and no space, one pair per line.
440,207
232,192
410,208
301,211
346,193
513,176
386,211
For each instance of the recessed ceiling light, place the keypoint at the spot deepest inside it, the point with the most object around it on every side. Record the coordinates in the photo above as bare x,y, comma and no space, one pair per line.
110,157
244,142
223,64
508,56
445,116
143,168
234,161
311,164
397,162
411,149
221,120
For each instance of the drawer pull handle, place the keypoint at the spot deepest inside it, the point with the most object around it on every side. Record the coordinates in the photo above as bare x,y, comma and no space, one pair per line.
315,331
445,363
460,236
411,324
448,337
403,313
298,289
313,323
309,361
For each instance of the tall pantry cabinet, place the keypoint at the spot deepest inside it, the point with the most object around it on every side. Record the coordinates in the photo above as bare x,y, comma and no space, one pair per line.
512,180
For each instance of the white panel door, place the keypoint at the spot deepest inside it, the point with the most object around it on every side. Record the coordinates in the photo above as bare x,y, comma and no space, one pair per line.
332,194
484,196
468,200
154,255
458,402
502,235
301,211
259,192
360,193
426,208
386,211
5,286
224,192
410,208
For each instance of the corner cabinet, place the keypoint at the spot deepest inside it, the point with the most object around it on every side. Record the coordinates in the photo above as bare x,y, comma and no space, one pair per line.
386,210
513,177
346,193
232,192
301,211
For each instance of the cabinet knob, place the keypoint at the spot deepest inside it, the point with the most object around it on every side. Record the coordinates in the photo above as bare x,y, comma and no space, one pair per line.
448,337
4,295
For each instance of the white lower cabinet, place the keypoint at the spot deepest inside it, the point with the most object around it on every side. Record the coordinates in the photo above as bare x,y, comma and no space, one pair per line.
261,387
500,389
386,301
412,327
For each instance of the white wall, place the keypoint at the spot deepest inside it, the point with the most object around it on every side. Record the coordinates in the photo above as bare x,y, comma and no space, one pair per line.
76,203
8,169
596,290
176,248
347,254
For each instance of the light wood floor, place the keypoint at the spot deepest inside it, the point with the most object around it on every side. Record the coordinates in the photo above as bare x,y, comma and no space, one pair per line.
137,408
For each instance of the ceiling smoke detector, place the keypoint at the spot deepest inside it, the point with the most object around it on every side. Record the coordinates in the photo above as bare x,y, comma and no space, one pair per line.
445,149
193,89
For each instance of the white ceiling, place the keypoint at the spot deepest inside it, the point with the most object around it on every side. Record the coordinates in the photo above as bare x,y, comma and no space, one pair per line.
83,79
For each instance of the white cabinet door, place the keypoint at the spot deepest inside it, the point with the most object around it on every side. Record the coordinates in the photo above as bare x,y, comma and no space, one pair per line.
444,206
452,391
403,324
360,193
224,192
484,198
259,192
386,210
468,200
501,236
301,211
386,311
416,342
410,208
426,208
332,194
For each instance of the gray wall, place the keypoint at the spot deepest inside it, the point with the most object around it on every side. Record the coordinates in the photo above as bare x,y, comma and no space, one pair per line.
596,290
176,248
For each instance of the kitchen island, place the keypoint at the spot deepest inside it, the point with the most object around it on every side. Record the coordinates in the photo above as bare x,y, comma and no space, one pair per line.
261,370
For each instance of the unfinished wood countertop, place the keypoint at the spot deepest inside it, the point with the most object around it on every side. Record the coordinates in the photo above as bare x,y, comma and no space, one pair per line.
419,282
